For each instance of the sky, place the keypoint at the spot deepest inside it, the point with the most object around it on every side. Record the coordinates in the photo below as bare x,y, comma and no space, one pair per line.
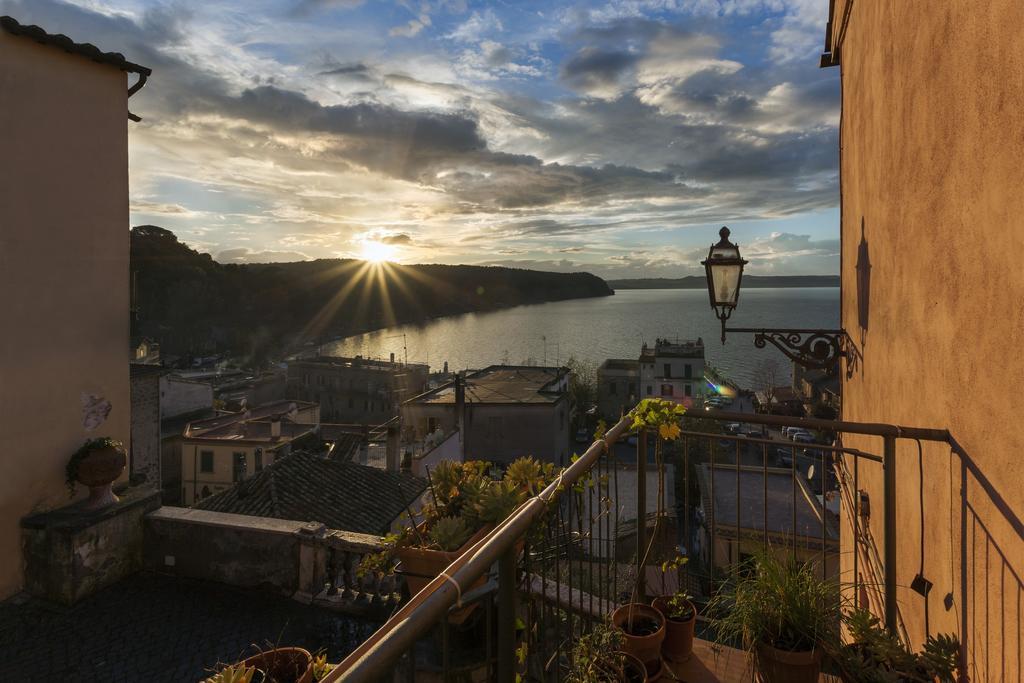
611,137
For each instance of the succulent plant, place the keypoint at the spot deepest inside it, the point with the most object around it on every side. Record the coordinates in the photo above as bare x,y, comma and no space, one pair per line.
234,673
874,655
449,533
320,667
498,502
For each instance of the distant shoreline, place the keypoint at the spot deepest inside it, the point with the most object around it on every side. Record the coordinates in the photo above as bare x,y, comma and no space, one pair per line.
749,281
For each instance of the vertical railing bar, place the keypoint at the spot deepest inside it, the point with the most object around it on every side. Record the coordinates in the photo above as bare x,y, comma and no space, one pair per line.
764,494
889,474
615,537
739,524
713,537
507,616
556,554
792,468
590,541
641,512
446,646
568,560
489,625
686,511
856,528
823,474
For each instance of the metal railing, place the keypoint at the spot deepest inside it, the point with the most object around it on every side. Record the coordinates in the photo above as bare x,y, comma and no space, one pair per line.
595,538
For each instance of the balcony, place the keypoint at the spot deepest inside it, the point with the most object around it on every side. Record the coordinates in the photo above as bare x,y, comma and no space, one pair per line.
566,558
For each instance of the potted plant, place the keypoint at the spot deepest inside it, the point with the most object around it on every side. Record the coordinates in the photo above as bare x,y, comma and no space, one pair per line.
465,503
597,658
782,613
281,665
96,464
643,630
233,673
874,655
680,616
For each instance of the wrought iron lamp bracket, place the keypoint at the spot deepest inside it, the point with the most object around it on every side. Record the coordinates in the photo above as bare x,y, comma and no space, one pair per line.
818,349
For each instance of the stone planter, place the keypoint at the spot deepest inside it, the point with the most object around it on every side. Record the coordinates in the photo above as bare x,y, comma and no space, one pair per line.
98,471
284,665
784,666
678,643
643,630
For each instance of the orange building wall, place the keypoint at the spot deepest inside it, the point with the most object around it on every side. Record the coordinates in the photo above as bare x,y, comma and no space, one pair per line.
63,273
932,146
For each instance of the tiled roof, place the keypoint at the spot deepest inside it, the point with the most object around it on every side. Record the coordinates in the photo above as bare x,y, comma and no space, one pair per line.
310,488
59,40
504,384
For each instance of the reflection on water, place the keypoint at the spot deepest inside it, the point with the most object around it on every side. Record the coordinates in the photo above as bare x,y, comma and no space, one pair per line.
606,327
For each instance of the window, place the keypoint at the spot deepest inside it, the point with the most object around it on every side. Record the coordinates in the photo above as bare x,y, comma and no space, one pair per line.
668,369
258,458
688,372
611,389
687,389
238,467
666,389
650,390
206,461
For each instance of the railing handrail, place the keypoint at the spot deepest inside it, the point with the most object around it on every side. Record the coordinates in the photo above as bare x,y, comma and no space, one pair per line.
376,656
869,428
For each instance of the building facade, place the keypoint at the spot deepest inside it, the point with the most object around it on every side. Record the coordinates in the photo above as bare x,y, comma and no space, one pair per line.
145,415
355,390
618,380
64,193
673,370
932,141
502,412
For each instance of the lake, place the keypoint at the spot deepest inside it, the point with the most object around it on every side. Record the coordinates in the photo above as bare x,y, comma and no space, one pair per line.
600,328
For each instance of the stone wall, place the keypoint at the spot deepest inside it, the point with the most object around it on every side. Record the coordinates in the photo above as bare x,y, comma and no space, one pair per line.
71,553
144,460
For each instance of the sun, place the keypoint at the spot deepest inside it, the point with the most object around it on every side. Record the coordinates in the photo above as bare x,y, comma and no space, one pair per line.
376,252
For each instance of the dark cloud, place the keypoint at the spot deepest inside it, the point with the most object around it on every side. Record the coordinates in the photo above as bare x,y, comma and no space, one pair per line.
306,7
400,238
244,255
356,71
591,69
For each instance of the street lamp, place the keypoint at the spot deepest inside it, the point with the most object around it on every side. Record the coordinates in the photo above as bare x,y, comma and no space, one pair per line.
819,349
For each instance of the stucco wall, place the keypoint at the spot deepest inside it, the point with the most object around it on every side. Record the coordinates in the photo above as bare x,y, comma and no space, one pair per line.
63,272
144,464
932,141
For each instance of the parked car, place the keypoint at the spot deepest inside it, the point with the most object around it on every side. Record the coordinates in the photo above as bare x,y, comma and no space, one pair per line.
803,437
733,428
796,432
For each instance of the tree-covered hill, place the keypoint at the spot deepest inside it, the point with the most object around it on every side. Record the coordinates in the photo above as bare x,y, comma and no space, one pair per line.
192,304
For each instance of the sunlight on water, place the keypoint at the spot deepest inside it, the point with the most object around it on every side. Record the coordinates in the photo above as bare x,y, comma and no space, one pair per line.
606,327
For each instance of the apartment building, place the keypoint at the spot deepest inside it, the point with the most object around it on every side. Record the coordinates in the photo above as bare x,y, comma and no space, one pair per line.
355,390
63,266
666,369
502,412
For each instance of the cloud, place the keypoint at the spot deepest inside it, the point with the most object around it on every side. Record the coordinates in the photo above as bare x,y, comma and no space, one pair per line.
477,27
307,7
399,239
598,72
412,28
245,255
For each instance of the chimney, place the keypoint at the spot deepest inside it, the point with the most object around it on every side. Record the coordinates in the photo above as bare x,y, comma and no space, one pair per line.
392,356
392,456
460,411
275,427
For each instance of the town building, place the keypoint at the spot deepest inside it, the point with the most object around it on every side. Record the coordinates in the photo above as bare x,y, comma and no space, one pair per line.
145,420
355,390
502,412
617,382
744,507
223,450
671,370
310,487
932,282
63,267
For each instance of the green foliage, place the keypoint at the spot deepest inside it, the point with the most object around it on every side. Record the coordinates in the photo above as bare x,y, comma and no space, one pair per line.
233,673
320,667
596,657
463,498
449,533
777,602
660,414
71,469
874,655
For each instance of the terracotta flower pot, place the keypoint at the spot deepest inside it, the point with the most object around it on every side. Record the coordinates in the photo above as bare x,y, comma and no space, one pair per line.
420,566
643,630
633,670
98,470
284,665
678,643
785,666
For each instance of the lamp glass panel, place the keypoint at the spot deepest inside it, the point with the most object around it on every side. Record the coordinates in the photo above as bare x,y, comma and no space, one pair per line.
725,252
725,280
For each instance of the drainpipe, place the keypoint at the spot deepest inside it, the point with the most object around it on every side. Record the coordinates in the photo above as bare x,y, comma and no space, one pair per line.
134,89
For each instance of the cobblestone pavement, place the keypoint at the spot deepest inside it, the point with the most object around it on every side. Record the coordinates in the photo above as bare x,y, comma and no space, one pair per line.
156,628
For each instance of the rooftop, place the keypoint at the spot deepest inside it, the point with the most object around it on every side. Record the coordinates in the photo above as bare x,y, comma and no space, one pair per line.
249,430
750,486
310,488
621,364
663,348
215,427
151,627
359,362
505,384
61,41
